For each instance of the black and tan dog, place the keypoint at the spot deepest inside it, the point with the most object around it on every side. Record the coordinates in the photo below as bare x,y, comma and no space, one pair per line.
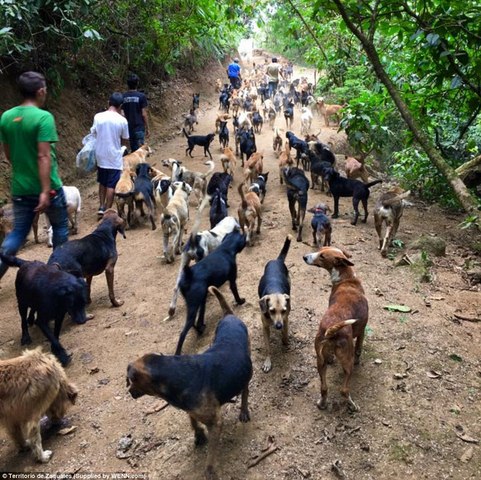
93,254
214,270
321,226
200,140
144,191
31,386
49,293
201,384
297,188
275,300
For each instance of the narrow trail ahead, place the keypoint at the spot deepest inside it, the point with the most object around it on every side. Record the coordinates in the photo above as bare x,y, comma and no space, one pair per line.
406,425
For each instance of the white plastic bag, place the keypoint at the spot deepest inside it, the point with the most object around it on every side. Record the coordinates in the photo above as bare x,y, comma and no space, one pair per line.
86,161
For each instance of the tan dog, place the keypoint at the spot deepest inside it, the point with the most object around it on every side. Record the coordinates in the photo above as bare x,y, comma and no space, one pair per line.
174,219
389,208
221,117
249,210
275,301
277,142
228,161
356,169
31,386
124,195
327,110
285,160
254,166
139,156
345,319
218,85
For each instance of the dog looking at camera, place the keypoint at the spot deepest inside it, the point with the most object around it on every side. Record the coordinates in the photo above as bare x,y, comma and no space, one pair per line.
31,386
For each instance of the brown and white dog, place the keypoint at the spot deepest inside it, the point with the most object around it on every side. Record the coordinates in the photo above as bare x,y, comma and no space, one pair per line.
355,168
139,156
31,386
389,208
174,218
249,211
229,161
345,319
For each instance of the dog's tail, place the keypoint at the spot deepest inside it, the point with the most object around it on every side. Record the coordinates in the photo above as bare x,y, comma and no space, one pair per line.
12,261
185,133
240,189
211,169
222,301
282,256
331,331
375,182
398,198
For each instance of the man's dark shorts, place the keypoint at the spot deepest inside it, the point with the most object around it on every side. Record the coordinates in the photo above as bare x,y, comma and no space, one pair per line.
108,177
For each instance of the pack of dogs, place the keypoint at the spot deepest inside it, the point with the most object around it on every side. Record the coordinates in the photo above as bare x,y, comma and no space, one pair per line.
201,383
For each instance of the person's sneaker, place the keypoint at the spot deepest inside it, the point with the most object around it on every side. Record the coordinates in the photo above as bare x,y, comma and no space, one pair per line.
101,211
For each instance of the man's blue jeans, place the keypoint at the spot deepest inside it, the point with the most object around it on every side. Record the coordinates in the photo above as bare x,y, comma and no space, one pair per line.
137,139
272,88
23,212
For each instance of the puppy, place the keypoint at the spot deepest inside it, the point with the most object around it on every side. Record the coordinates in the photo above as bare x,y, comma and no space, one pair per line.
139,156
345,319
254,166
275,301
355,169
223,135
124,195
344,187
297,188
213,270
198,246
228,161
218,208
249,210
93,254
389,208
31,386
190,120
48,293
174,219
259,186
201,384
144,192
321,225
200,140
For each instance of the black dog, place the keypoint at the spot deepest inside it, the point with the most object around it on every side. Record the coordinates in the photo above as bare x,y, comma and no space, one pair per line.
299,145
195,100
201,384
257,121
201,140
297,188
289,113
144,191
218,208
321,226
219,181
49,293
92,254
247,143
259,186
321,160
224,100
346,187
223,135
215,269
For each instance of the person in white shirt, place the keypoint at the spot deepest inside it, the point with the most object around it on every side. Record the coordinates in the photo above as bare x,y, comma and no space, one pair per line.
110,128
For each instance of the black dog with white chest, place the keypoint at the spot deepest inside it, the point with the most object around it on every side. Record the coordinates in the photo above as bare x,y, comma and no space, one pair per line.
201,384
214,270
321,226
259,186
200,140
297,188
49,293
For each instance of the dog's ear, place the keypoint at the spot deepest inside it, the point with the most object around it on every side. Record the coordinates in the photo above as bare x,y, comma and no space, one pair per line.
344,262
288,299
72,393
264,304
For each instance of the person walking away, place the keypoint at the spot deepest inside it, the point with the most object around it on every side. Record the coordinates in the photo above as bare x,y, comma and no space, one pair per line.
28,135
234,73
273,71
109,128
135,111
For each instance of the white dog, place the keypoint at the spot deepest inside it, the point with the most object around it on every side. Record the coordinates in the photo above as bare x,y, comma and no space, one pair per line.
306,120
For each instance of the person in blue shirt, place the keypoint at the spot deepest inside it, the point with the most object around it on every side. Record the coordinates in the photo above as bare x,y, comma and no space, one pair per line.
233,72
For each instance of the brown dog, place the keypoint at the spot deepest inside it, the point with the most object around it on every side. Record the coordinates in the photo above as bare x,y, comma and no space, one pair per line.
139,156
356,169
249,210
254,166
327,110
228,161
31,386
124,195
221,117
285,160
389,208
345,319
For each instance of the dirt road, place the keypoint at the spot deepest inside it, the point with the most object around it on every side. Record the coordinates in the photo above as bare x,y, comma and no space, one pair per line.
418,381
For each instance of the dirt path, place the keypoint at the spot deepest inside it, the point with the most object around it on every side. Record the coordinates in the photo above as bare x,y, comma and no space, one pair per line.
406,427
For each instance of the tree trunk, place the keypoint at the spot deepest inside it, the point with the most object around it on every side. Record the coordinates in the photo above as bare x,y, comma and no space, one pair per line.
465,198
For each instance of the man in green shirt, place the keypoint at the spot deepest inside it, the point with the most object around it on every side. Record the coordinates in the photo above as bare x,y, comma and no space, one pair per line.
28,135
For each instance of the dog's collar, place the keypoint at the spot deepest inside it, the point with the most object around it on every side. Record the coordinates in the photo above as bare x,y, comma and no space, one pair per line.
255,188
319,210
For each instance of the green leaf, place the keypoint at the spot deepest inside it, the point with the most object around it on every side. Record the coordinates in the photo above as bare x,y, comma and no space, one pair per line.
397,308
455,357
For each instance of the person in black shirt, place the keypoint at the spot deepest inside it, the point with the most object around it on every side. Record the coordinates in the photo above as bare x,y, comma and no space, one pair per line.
135,111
